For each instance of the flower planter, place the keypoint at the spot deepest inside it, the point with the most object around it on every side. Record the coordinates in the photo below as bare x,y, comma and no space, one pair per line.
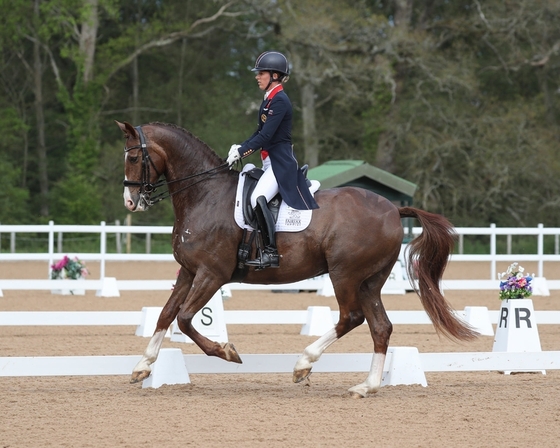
68,269
69,292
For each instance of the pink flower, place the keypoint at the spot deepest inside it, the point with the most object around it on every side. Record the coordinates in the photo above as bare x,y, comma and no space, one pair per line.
61,264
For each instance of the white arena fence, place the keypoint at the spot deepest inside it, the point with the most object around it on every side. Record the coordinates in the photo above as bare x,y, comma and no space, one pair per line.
231,317
315,321
397,284
403,365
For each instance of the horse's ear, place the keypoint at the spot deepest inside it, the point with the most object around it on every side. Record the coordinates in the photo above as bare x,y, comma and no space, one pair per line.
127,128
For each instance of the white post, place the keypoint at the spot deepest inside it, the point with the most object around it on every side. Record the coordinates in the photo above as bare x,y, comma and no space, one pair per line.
118,238
540,249
59,242
128,236
493,252
51,246
103,251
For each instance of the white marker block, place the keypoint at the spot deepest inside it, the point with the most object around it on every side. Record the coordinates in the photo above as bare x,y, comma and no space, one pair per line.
403,366
148,321
169,368
319,321
479,319
517,329
209,321
109,288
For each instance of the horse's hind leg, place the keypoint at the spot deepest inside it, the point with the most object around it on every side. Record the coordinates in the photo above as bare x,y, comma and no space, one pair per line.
351,316
142,370
380,328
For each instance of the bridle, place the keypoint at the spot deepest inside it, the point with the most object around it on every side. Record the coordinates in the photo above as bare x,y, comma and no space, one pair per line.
147,187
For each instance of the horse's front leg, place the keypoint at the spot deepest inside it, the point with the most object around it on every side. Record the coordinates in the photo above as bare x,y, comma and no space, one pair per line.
142,370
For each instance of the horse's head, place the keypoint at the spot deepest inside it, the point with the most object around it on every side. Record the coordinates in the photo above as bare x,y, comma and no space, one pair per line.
142,168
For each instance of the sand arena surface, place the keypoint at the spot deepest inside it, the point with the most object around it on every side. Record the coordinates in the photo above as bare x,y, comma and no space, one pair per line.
482,409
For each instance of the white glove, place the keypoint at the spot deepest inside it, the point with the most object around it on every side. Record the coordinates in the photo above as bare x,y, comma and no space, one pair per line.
233,155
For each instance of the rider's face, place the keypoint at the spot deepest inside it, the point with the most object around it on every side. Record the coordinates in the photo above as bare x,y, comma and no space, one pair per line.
263,79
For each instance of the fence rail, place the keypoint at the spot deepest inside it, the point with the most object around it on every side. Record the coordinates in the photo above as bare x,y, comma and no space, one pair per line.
53,231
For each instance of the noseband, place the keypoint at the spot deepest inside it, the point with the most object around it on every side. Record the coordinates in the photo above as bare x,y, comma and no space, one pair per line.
147,188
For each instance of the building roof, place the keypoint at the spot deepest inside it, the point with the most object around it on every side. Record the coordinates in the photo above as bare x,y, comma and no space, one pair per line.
357,173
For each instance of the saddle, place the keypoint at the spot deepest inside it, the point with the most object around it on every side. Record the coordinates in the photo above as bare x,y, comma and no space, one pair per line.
251,178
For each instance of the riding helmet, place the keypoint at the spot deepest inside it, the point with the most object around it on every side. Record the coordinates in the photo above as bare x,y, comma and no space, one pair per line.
272,61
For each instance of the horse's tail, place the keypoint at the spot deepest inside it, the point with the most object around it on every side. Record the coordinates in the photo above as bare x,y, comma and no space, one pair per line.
427,258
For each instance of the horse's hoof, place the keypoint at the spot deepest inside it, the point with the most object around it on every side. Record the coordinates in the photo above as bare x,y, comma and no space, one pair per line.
139,376
300,375
356,395
360,391
231,353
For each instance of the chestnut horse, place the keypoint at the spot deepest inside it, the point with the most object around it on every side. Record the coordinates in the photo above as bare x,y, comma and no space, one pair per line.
355,236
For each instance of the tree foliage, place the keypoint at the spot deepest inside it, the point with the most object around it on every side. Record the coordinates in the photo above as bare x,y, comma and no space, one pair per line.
461,98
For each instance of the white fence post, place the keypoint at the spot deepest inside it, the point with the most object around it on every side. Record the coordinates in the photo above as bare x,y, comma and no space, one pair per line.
540,249
51,246
103,251
493,251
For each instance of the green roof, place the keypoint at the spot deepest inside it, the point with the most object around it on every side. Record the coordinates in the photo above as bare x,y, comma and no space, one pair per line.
357,173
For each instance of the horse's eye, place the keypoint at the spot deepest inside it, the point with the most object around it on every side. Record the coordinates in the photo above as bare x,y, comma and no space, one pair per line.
132,159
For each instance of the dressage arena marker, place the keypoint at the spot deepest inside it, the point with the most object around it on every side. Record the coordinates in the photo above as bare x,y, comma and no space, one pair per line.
319,321
400,367
209,321
517,329
148,322
478,317
169,368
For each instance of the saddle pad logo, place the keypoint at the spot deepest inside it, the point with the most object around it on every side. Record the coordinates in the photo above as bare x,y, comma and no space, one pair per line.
293,218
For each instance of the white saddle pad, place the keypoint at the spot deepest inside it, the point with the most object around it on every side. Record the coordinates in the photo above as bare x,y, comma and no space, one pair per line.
289,219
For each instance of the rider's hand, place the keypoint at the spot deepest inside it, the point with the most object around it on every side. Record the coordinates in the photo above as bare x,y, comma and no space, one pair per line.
233,155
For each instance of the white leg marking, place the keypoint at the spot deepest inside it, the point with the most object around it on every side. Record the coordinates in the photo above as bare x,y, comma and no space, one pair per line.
151,353
315,350
373,381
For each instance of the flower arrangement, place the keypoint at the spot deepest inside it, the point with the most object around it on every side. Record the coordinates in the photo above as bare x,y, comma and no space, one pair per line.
68,268
513,284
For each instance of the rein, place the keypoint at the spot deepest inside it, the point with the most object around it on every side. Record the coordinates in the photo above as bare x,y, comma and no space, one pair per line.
147,188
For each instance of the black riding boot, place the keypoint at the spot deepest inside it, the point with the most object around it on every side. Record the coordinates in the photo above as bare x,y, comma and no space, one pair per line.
268,257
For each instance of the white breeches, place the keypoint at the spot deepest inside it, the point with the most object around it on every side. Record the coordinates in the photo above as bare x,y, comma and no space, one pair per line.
266,186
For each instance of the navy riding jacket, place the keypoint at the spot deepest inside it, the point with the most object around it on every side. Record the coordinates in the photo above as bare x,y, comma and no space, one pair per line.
274,135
